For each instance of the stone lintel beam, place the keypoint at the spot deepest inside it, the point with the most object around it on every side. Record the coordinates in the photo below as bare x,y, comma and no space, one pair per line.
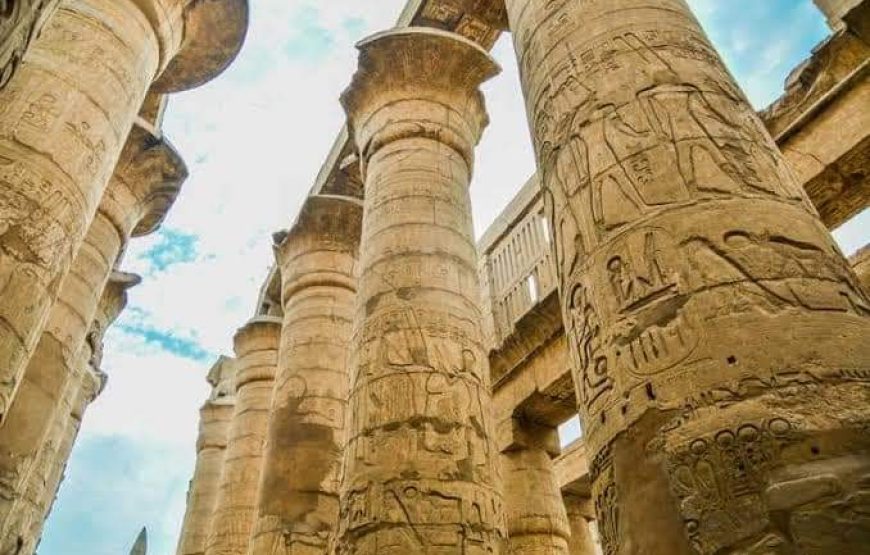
821,125
214,32
515,434
836,11
572,470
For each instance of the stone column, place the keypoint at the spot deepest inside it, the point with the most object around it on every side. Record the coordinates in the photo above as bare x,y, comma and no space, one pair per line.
298,499
835,10
20,23
214,422
63,122
86,383
581,515
536,518
146,181
420,462
720,341
64,118
256,346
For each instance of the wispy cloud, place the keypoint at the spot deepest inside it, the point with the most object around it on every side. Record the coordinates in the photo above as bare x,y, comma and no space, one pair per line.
254,141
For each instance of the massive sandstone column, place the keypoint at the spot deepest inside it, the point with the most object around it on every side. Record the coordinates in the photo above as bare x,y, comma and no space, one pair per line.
581,515
146,181
420,463
298,499
256,346
87,382
720,342
214,422
64,118
536,519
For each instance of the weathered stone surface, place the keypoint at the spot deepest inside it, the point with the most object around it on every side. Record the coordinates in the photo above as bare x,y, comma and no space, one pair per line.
64,118
536,519
836,10
699,289
20,23
581,515
420,468
256,347
214,422
299,490
861,265
86,383
145,183
822,126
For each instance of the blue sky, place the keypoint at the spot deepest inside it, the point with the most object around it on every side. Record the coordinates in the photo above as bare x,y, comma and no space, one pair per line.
254,140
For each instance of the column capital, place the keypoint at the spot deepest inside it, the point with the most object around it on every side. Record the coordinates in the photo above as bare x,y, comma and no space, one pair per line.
402,73
260,335
326,223
222,377
146,182
213,34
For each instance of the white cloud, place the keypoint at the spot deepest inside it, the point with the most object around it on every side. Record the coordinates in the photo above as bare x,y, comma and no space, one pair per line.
254,141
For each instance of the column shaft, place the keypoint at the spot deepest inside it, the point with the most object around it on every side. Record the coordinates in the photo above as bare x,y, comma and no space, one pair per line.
256,347
215,418
581,513
536,519
298,505
419,471
64,118
20,23
719,340
147,168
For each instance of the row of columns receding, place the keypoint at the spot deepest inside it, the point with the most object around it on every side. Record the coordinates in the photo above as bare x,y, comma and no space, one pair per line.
719,339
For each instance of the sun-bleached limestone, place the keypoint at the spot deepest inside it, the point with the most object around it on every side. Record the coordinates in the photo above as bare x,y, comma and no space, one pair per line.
145,183
420,469
20,23
298,493
256,348
698,290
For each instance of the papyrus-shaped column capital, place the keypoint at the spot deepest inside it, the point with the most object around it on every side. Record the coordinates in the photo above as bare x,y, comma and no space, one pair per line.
213,34
418,82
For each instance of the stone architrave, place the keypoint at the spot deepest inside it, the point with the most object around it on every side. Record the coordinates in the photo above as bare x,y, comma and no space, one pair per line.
20,23
256,347
537,523
581,515
146,182
420,465
214,422
86,383
64,118
299,489
720,341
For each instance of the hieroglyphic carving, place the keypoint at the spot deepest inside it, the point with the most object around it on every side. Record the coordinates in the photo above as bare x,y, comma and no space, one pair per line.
687,254
419,473
62,126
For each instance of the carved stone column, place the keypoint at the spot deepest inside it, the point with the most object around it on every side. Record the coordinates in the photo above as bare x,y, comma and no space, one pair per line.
64,118
298,505
30,511
20,23
720,341
146,181
420,463
581,515
256,346
214,422
536,518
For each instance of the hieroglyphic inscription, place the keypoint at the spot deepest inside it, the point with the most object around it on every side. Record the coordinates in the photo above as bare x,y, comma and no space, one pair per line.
688,256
